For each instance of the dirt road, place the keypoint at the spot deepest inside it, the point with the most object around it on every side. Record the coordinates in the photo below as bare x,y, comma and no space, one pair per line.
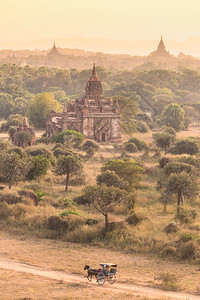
71,278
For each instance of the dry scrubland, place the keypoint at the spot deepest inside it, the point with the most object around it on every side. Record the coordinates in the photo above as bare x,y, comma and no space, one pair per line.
178,255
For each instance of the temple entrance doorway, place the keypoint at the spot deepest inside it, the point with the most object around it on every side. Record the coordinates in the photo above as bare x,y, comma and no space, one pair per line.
103,137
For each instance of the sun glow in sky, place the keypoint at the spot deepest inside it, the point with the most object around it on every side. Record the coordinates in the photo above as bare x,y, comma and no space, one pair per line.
22,20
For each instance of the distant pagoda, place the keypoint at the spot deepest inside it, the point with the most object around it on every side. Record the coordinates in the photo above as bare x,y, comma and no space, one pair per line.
161,51
54,51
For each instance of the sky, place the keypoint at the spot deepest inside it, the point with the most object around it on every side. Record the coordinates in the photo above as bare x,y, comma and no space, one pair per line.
23,20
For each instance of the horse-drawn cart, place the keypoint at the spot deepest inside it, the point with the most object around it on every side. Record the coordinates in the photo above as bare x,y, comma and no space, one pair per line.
107,272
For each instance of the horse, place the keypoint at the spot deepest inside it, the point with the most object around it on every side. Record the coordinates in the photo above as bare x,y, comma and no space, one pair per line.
91,272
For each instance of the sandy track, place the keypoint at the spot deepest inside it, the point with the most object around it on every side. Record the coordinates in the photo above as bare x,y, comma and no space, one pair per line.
71,278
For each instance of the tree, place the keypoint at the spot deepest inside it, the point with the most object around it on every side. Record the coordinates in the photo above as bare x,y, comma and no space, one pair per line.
6,105
182,185
164,140
40,108
13,168
130,171
128,109
68,165
110,178
104,198
39,166
173,116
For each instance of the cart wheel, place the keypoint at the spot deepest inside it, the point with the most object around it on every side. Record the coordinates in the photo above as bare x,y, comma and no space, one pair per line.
89,278
111,279
101,279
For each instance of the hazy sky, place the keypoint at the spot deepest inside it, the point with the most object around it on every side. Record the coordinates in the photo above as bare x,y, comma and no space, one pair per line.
22,20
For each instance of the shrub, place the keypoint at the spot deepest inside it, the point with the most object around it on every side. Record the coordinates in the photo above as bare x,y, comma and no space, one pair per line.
62,151
141,145
171,228
90,144
134,219
77,137
43,140
36,150
142,126
187,250
187,146
131,147
57,223
81,200
91,222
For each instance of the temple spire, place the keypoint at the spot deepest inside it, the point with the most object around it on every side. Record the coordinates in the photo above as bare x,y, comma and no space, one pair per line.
94,72
54,45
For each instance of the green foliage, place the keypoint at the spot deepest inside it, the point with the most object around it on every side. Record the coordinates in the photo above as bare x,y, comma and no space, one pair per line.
173,116
183,185
141,145
68,212
40,107
13,168
128,108
12,121
39,166
90,144
104,198
130,171
6,105
178,167
37,150
186,146
110,178
43,140
68,165
77,137
164,140
130,147
62,151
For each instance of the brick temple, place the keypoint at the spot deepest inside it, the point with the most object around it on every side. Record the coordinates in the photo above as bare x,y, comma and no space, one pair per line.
94,116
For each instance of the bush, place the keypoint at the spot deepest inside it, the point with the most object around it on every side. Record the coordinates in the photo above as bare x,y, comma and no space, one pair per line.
142,126
134,219
36,150
81,200
77,137
43,140
131,147
90,144
62,151
63,224
141,145
187,250
57,223
187,146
